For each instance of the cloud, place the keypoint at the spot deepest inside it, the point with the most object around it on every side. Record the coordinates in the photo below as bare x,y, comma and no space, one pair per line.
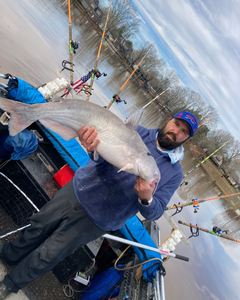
203,42
206,293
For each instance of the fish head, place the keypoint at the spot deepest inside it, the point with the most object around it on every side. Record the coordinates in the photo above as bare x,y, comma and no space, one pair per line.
147,168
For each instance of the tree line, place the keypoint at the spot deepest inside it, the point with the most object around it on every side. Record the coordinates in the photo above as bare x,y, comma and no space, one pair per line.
125,22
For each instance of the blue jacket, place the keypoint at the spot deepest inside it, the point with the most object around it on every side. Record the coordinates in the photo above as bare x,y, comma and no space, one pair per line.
109,198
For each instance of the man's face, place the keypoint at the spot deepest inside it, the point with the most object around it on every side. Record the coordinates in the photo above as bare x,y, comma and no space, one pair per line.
173,134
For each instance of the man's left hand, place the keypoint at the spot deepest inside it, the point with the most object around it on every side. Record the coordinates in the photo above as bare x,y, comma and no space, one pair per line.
143,189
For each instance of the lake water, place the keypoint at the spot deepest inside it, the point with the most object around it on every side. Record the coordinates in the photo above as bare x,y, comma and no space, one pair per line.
34,42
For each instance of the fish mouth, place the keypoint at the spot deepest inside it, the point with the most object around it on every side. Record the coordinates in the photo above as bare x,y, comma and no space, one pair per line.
156,181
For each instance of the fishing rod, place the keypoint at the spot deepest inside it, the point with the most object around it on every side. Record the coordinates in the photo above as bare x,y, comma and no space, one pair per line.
159,95
70,42
156,97
99,50
194,234
204,122
196,201
128,242
113,99
185,175
162,93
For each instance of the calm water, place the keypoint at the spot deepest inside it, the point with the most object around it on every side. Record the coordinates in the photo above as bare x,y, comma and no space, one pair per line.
199,186
34,41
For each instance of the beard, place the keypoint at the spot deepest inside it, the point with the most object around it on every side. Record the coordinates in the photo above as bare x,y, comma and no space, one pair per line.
165,142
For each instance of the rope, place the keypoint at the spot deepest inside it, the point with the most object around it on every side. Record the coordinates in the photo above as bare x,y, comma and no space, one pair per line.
68,289
4,163
136,266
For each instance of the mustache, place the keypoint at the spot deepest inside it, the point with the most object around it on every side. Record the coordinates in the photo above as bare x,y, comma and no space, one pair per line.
172,134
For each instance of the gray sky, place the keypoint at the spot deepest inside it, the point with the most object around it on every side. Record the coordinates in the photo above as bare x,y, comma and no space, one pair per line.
201,41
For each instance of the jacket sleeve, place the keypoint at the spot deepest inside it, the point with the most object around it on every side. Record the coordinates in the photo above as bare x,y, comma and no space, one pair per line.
161,199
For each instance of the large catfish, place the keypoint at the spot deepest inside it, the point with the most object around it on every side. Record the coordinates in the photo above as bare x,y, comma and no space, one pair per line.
120,144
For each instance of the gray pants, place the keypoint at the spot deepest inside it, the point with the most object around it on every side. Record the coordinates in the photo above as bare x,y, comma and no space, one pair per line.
56,231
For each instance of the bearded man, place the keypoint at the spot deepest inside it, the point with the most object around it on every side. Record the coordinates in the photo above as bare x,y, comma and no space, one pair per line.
97,200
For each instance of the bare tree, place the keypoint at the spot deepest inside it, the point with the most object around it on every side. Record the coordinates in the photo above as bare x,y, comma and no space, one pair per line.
123,20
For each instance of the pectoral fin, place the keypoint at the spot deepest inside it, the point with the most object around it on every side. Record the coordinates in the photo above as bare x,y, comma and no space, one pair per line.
128,168
64,132
95,155
56,99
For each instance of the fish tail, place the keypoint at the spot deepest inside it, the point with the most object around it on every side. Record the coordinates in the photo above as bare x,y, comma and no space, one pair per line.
19,113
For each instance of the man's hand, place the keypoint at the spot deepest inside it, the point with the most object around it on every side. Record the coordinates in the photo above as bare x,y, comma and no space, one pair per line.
143,189
87,137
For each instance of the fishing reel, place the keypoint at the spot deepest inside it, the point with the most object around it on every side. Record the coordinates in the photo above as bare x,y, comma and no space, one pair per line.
74,44
195,205
196,209
117,99
97,73
184,182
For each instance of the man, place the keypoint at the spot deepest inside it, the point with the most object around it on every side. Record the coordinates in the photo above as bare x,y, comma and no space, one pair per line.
96,201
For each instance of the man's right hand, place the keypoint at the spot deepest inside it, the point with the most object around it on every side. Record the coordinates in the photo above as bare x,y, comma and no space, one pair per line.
87,137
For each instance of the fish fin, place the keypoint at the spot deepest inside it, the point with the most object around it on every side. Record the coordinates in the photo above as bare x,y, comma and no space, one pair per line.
134,119
95,155
18,120
127,168
64,132
156,185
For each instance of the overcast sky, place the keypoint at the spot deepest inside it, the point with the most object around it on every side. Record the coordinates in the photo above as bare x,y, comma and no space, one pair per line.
201,41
